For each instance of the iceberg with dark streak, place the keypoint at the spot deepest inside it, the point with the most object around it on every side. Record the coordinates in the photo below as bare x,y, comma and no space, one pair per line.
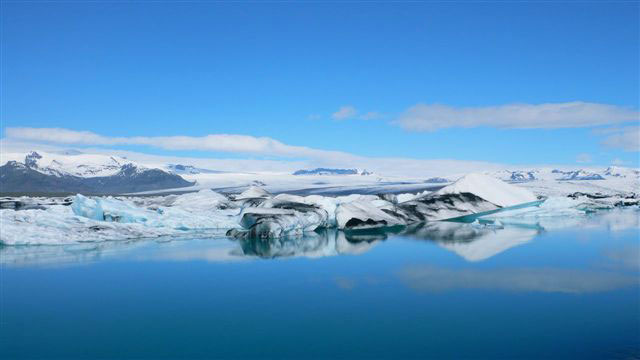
258,214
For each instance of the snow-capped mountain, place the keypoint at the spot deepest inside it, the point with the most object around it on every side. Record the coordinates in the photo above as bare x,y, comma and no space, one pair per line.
78,164
581,175
97,174
437,180
518,175
329,171
190,169
542,174
621,172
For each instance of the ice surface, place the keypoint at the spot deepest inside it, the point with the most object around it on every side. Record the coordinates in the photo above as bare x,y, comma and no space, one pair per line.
107,218
490,189
359,215
254,192
257,213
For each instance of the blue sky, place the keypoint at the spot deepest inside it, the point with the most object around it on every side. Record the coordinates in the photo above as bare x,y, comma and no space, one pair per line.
280,70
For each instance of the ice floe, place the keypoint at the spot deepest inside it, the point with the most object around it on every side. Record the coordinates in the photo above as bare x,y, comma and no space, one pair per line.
256,213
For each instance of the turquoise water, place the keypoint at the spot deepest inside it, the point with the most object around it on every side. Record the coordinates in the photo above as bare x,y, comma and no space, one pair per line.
450,291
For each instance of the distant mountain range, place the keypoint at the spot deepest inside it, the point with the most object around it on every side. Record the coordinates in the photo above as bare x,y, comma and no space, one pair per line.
565,175
329,171
89,174
190,170
77,172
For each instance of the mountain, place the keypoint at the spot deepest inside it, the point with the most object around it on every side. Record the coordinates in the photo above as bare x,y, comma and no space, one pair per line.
437,180
190,170
523,176
90,174
622,172
548,174
517,175
328,171
581,175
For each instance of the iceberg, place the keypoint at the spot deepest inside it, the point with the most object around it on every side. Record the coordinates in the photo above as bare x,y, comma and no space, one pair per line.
490,189
254,192
256,213
470,197
108,218
361,215
283,215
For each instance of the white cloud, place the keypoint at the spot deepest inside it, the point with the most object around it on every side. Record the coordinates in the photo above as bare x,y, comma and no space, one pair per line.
371,115
216,142
583,158
23,140
423,117
617,162
345,112
626,138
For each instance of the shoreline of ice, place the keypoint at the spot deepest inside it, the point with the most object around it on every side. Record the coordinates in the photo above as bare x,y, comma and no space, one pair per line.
255,213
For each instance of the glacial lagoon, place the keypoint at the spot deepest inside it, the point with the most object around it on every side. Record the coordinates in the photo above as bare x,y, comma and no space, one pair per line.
566,288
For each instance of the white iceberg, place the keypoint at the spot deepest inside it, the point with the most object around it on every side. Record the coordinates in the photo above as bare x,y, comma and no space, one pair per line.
99,219
490,189
361,215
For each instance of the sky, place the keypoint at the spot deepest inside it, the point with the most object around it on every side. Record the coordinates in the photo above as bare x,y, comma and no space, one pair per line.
328,83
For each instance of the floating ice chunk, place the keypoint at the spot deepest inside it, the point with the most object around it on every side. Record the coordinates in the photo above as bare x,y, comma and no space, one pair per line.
89,208
254,192
109,218
364,215
59,225
409,196
203,200
490,189
470,196
434,207
109,209
328,204
264,222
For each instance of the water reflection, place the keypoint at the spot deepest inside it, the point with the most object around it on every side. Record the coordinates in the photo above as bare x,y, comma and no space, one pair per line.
327,242
574,281
472,242
475,242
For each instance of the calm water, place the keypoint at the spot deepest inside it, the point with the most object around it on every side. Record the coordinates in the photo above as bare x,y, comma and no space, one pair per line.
443,291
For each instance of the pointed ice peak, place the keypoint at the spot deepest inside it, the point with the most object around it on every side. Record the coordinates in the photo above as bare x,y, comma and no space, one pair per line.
581,175
254,192
491,189
621,171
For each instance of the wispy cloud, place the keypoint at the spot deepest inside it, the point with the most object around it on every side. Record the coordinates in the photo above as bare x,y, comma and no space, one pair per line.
215,142
424,117
288,157
626,138
350,112
345,112
371,115
583,158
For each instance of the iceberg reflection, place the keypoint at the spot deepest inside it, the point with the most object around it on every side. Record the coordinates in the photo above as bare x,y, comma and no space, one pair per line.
328,242
560,280
475,242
